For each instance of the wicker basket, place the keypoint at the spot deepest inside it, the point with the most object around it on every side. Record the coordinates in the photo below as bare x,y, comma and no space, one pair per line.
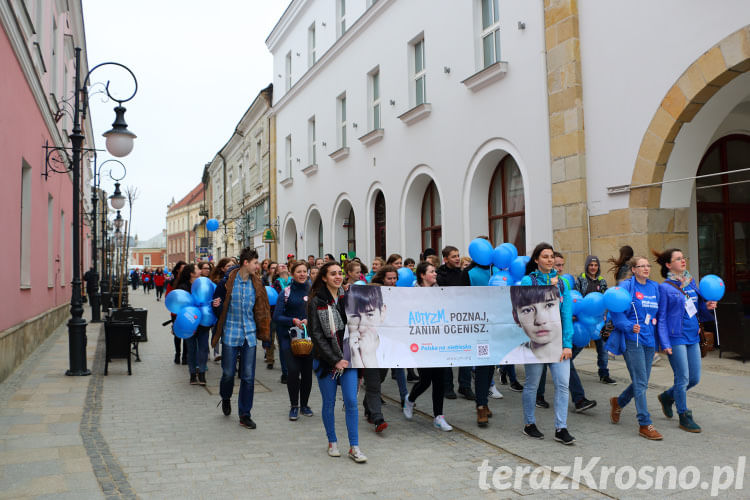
301,344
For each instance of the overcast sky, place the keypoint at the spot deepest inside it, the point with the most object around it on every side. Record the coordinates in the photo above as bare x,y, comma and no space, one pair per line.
199,66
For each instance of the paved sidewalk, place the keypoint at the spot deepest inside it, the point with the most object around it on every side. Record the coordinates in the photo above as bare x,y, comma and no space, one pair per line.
152,435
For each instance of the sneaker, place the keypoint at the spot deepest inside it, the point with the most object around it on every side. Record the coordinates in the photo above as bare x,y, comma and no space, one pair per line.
584,404
202,378
615,410
380,425
666,404
294,413
306,411
441,424
247,422
541,403
649,432
482,417
356,454
531,431
494,393
409,409
657,358
450,394
607,380
564,437
283,378
333,450
687,423
467,393
226,406
193,379
516,387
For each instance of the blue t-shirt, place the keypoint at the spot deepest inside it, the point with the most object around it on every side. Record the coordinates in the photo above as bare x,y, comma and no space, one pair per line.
646,301
690,325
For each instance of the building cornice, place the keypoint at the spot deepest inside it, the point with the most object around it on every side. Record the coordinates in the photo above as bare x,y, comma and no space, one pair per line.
280,30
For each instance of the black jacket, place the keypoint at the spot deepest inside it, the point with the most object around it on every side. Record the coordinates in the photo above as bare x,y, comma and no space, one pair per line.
327,350
450,276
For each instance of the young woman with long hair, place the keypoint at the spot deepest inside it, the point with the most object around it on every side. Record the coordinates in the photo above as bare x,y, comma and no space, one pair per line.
377,263
386,276
177,340
197,344
395,260
621,265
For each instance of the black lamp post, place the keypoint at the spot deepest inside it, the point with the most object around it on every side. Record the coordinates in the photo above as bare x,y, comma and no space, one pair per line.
119,143
117,201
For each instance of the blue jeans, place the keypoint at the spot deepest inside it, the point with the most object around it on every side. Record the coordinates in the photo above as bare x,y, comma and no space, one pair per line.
576,388
560,375
601,358
403,390
510,372
482,381
197,349
247,375
686,365
327,385
638,359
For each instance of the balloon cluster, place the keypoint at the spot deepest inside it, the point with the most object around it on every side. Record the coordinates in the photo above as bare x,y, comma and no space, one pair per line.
589,312
509,267
192,309
405,277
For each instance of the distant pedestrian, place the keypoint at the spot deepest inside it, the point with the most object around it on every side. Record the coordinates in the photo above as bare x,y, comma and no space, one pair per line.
197,344
177,340
159,283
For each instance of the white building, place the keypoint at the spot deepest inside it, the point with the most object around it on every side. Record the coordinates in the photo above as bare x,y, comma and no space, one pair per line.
410,124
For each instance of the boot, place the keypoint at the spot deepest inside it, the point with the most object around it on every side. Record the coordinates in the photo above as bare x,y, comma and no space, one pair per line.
202,378
482,417
666,403
687,423
649,432
614,412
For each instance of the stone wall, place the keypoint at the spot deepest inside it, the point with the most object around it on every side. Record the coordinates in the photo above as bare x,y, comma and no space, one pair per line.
19,341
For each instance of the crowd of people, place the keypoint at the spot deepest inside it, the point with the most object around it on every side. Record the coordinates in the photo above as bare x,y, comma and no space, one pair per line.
309,304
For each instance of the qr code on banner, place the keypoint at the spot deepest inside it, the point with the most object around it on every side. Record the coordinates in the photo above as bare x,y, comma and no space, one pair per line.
483,350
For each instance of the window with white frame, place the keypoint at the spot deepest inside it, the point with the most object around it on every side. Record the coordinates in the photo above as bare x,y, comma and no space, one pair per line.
375,99
311,45
288,79
62,247
420,75
228,188
312,142
341,119
490,33
288,157
50,241
147,261
258,153
26,225
340,17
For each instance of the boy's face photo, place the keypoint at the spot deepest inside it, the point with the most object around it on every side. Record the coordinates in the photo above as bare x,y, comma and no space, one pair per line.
540,320
363,336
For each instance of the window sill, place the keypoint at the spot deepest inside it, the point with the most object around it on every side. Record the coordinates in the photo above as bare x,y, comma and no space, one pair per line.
485,77
287,182
416,113
372,137
310,169
25,287
339,154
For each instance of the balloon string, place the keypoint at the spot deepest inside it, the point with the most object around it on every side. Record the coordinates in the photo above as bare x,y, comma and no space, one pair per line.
716,322
636,322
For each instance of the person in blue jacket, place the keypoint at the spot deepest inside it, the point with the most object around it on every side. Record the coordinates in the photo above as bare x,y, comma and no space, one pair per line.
291,312
635,328
540,271
680,306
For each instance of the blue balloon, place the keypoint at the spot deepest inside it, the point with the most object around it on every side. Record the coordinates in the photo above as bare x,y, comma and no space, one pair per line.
503,278
512,249
517,283
502,257
212,224
518,268
617,299
593,304
480,251
273,295
581,337
202,290
177,299
187,322
712,287
405,277
570,279
577,298
596,332
208,318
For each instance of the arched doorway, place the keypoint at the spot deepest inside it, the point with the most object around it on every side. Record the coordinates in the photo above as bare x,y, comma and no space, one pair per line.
723,206
507,216
314,233
344,228
432,223
380,241
289,244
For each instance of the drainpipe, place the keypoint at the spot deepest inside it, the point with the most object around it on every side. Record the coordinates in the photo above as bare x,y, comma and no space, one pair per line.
224,161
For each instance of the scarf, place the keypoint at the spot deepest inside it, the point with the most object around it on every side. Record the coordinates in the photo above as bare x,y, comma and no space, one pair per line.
683,280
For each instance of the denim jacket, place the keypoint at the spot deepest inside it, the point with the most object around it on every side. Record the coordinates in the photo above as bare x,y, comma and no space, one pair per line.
671,310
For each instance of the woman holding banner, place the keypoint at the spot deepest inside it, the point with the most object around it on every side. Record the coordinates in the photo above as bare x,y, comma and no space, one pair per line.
427,276
326,324
540,271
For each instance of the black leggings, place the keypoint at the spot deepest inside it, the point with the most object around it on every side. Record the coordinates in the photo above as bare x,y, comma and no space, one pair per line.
427,376
299,377
159,291
177,343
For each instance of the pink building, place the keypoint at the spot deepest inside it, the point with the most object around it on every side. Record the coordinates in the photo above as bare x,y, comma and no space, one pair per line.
36,56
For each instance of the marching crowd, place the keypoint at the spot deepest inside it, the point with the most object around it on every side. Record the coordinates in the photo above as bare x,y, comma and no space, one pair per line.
663,317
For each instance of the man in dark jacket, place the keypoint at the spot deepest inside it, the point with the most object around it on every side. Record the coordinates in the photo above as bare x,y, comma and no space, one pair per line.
450,274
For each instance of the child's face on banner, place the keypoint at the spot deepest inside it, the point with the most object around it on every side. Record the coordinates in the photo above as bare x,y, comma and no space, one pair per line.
541,320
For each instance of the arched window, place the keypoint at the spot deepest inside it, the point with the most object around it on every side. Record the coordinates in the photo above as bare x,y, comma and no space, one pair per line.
320,239
507,217
380,225
432,229
351,241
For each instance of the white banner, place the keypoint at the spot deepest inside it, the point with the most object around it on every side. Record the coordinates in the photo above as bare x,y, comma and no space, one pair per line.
390,327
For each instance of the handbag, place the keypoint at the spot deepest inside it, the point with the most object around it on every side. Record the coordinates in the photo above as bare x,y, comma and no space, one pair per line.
301,343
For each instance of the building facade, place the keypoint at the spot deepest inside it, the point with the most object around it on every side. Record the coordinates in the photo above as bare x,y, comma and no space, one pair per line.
37,48
183,221
151,253
404,125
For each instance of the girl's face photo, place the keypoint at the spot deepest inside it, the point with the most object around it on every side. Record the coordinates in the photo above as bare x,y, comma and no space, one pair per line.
334,278
642,269
398,264
390,279
205,270
430,276
281,269
678,264
314,273
546,260
319,263
300,274
375,266
272,268
541,320
355,272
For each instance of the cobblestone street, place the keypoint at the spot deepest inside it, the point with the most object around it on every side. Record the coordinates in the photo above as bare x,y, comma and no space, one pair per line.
152,435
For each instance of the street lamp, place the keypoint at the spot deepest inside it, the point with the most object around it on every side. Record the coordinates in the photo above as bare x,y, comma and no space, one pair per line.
114,201
120,140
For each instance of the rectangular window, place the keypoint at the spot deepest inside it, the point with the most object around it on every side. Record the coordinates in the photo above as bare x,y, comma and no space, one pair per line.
228,188
288,157
288,79
311,49
420,91
375,99
341,114
25,225
490,33
63,229
341,17
50,241
312,141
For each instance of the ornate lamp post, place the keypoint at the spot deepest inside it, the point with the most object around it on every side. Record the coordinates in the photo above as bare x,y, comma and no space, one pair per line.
119,143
